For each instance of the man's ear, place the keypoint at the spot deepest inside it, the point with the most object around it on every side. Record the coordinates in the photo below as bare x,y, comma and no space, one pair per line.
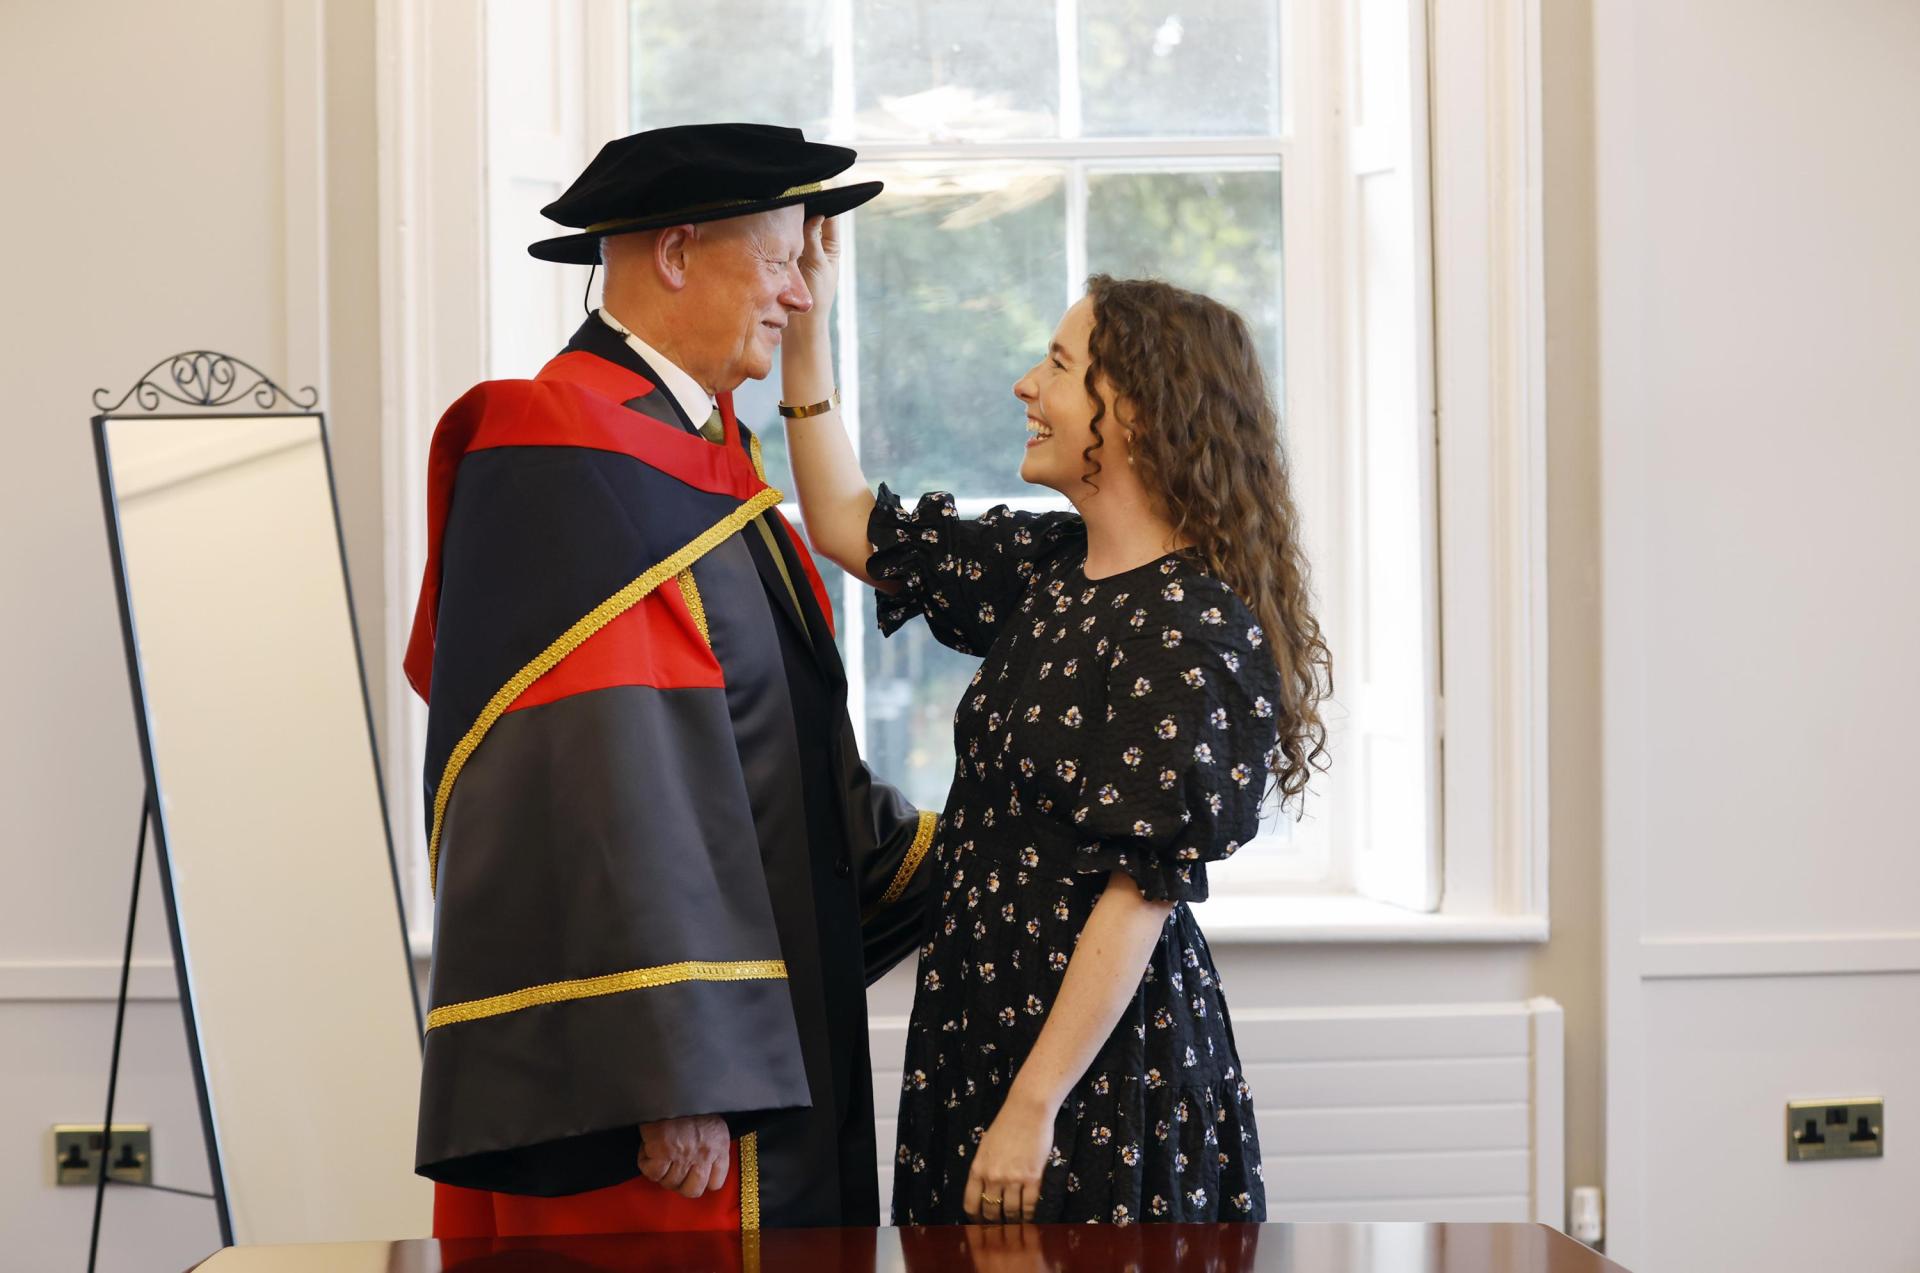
672,250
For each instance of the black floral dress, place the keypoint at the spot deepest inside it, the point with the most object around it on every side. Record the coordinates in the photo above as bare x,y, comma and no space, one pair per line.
1115,724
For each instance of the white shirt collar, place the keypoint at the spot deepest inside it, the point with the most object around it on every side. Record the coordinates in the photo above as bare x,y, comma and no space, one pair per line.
692,399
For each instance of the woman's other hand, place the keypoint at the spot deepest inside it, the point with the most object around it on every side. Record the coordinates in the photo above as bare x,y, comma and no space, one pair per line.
1003,1185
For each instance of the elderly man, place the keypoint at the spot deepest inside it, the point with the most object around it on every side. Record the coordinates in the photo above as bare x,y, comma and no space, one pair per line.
663,876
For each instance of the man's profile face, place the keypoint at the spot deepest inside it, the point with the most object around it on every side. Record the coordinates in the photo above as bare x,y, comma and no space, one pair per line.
744,277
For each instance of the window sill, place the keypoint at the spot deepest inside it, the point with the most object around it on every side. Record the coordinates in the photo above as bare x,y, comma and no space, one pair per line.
1348,919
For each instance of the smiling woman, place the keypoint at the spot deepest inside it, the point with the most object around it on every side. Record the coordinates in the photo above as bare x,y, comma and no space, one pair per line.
1149,663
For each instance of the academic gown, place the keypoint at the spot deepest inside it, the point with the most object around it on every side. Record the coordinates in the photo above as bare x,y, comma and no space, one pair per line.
663,875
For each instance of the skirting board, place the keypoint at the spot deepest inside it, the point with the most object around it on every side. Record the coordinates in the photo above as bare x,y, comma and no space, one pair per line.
84,980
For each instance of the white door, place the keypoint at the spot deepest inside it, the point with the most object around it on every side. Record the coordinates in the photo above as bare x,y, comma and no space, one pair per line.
1759,382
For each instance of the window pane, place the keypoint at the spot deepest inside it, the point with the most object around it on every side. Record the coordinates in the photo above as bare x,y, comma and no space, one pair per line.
773,64
960,276
1179,68
1211,232
913,686
754,403
948,69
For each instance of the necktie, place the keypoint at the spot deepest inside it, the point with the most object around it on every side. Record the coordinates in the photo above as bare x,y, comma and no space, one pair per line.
715,430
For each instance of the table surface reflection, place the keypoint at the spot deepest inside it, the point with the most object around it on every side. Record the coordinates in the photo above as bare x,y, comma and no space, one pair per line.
1154,1248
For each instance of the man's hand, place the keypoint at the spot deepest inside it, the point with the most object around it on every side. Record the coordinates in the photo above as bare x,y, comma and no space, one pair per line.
820,267
687,1155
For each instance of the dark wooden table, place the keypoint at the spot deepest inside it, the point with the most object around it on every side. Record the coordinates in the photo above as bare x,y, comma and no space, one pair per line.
1152,1248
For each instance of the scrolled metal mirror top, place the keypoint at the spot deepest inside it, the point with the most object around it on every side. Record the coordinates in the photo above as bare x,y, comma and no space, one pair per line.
205,379
274,845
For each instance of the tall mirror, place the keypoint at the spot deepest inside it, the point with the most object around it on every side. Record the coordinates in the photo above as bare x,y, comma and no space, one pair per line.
275,856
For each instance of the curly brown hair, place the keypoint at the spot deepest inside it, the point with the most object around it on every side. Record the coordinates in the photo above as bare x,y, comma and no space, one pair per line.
1205,440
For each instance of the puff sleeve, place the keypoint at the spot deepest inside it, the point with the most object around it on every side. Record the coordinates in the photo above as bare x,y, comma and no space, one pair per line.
965,575
1174,775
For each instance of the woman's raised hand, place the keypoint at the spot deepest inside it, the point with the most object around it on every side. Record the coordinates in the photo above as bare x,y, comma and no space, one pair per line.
820,267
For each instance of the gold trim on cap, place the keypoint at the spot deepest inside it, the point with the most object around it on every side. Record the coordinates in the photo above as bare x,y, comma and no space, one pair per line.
668,218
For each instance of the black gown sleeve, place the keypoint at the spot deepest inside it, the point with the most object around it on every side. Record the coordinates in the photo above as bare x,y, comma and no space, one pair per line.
896,878
966,575
1173,776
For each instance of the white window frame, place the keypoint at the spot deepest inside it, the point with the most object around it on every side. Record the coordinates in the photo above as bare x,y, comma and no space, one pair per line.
1483,96
1490,384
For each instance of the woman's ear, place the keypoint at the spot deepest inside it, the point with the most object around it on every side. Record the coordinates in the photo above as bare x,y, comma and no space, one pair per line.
1124,412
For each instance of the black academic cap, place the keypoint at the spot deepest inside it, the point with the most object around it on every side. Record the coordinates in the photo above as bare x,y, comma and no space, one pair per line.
693,173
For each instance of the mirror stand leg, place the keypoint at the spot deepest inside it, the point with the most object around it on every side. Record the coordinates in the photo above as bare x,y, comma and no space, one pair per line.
119,1024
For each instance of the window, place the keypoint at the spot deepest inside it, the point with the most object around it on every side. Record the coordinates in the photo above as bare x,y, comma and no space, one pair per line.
1272,153
1023,145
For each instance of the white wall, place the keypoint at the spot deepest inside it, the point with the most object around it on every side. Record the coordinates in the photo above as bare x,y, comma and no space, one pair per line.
1760,388
162,170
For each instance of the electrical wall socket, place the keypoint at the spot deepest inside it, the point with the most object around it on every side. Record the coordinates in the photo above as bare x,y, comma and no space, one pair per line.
1854,1128
77,1148
1584,1216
